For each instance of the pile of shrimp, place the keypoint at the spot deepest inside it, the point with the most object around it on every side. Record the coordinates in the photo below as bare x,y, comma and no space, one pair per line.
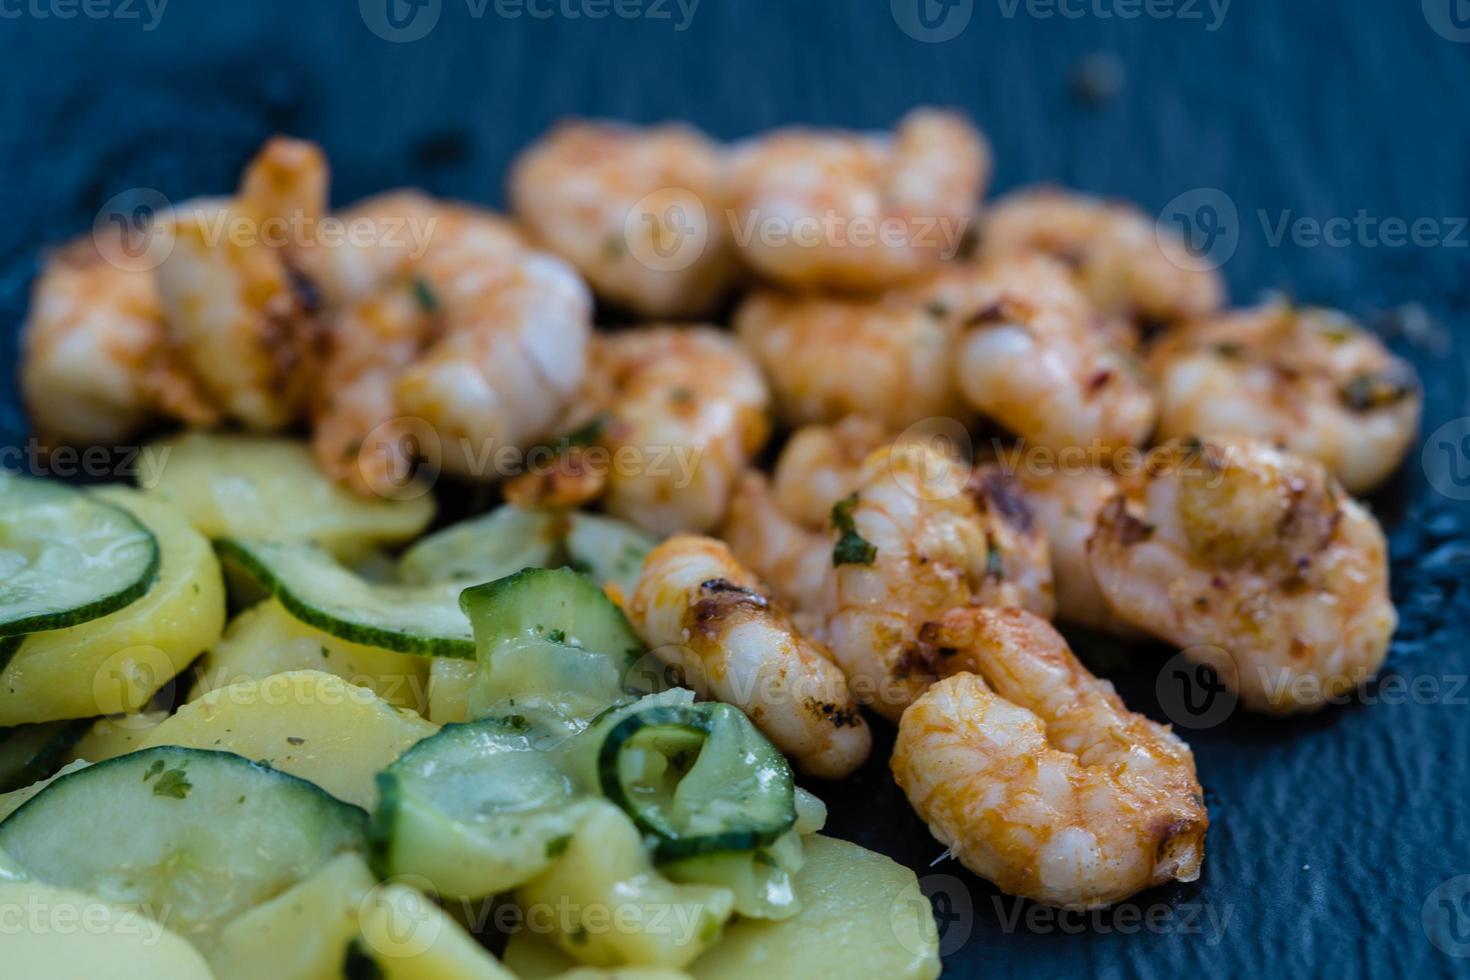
885,430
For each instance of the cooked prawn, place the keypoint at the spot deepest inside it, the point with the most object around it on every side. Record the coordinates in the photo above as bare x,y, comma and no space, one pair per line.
820,464
92,331
1255,562
509,353
1126,264
703,612
1067,501
1035,774
1310,380
240,326
639,212
921,534
678,413
855,211
1035,360
889,357
443,322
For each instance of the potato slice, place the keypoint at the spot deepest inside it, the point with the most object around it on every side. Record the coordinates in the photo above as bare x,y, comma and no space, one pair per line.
450,684
618,908
109,738
862,915
304,722
67,933
265,639
258,487
301,934
115,664
411,938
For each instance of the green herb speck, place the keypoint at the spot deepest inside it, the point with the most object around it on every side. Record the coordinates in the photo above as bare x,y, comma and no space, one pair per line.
851,548
172,783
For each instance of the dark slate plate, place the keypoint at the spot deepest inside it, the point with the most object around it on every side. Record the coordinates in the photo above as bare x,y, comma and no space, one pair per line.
1339,841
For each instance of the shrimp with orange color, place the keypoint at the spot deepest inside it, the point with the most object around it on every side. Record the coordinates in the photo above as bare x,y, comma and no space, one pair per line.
240,326
1037,359
92,331
210,323
1127,264
889,357
1256,563
639,212
1067,501
670,417
702,612
448,342
1310,380
855,211
920,534
1035,774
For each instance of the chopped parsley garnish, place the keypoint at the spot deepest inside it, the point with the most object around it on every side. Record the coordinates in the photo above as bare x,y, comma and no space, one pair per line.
851,548
558,845
425,295
172,783
995,563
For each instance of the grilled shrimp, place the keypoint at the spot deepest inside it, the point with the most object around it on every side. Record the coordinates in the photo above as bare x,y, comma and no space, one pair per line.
793,558
1310,380
511,354
819,465
920,535
1255,562
1126,264
1036,775
703,612
443,320
888,357
678,412
1067,502
240,326
639,212
87,343
855,211
1035,359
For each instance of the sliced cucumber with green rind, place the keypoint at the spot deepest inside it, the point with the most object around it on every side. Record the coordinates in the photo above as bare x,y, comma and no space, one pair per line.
486,548
701,779
200,835
30,753
550,603
552,648
476,809
607,550
762,881
66,557
316,589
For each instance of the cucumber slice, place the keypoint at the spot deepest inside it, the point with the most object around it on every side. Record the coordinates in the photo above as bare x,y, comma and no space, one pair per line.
316,589
607,551
476,809
117,663
66,557
30,753
701,779
762,881
201,835
555,604
486,548
551,647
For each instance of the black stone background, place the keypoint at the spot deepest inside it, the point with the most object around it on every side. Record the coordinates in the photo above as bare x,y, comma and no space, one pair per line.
1329,833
